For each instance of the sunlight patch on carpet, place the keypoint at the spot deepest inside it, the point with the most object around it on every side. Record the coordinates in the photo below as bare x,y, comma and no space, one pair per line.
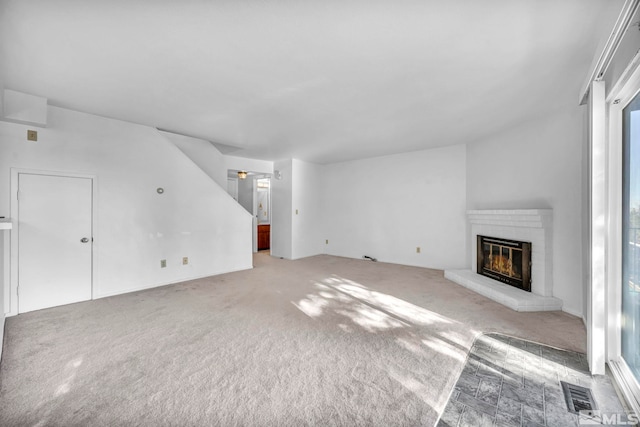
396,306
373,311
312,305
370,319
445,348
72,366
420,390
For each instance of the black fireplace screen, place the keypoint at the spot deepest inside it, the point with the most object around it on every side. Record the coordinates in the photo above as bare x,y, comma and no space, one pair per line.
508,261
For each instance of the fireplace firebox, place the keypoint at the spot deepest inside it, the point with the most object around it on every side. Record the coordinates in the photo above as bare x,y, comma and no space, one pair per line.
508,261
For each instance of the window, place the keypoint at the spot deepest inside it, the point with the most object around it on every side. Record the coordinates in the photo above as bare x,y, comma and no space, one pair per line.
623,236
630,295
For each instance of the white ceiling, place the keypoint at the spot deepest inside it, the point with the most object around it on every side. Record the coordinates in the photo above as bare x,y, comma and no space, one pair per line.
321,81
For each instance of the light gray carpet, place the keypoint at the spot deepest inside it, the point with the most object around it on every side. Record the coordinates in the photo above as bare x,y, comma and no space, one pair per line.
319,341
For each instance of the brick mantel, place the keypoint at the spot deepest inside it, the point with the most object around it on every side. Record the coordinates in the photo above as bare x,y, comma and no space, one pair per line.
527,218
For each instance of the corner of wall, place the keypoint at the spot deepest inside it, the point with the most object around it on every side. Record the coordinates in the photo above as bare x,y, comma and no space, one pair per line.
281,210
550,177
370,207
307,221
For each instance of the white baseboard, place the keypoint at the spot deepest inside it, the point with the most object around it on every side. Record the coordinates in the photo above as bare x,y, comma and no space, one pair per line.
574,313
172,282
1,335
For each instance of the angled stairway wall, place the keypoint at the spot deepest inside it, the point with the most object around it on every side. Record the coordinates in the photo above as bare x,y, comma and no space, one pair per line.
136,226
203,154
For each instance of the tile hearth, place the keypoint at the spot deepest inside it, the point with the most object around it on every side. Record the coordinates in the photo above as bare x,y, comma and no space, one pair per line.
512,382
512,297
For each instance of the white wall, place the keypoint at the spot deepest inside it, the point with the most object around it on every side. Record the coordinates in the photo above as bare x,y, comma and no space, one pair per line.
203,154
585,217
136,227
281,211
245,194
538,165
4,281
244,164
385,207
307,231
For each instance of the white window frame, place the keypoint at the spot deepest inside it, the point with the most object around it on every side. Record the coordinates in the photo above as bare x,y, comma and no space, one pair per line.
616,101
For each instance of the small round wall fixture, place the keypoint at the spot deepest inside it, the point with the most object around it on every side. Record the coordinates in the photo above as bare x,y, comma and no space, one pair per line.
160,190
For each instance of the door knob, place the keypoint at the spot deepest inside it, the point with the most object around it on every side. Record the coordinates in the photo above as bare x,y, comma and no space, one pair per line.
84,239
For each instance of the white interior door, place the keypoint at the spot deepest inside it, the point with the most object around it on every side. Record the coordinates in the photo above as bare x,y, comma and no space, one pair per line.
54,240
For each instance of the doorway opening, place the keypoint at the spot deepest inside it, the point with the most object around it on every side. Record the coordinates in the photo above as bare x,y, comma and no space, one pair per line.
263,210
252,190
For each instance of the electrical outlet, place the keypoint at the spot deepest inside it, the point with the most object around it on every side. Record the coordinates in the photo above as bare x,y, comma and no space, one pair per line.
296,211
185,260
163,263
32,135
418,249
326,242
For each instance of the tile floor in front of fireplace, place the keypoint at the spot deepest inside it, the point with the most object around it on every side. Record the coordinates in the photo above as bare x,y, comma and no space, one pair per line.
511,382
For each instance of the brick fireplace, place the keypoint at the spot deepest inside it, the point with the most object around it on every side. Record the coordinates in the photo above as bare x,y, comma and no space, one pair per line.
511,234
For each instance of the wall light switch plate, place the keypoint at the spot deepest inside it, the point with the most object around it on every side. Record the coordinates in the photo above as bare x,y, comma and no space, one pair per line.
418,249
326,242
185,260
32,135
163,263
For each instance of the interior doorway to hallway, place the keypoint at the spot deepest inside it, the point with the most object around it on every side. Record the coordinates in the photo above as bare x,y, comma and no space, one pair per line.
263,213
252,190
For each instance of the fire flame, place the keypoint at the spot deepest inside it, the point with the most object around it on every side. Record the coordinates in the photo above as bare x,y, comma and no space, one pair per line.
501,264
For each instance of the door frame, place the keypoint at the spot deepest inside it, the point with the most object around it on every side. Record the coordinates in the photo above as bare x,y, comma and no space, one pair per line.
254,212
255,209
11,293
